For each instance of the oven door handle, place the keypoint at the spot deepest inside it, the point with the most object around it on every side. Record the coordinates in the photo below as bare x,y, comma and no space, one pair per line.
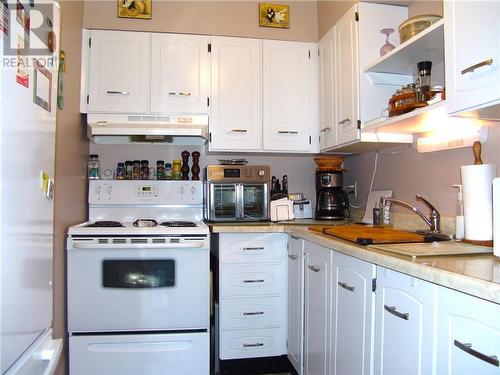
190,245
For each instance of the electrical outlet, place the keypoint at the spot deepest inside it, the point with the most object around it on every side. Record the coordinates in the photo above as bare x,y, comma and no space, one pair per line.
355,189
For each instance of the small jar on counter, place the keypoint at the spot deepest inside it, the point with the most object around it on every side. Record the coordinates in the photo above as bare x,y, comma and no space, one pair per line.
128,169
160,170
176,170
168,171
144,170
93,167
120,171
136,170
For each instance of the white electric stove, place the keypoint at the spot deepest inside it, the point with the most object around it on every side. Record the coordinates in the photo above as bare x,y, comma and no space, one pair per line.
139,280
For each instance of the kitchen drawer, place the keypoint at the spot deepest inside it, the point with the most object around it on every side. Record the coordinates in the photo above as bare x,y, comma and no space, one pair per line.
251,312
251,343
255,280
252,247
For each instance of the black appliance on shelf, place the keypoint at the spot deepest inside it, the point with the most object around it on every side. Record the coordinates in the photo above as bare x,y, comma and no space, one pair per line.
331,199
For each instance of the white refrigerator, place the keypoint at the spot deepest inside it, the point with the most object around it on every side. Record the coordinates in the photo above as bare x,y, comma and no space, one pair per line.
28,100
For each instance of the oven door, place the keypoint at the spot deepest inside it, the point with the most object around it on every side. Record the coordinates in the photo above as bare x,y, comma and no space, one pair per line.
222,202
137,289
254,202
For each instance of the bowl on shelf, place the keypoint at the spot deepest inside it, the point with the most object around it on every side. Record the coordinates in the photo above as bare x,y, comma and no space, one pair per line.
329,163
415,25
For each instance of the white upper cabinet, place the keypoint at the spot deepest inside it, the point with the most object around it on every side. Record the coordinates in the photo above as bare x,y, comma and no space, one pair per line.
346,49
286,96
118,71
236,95
328,114
180,73
472,52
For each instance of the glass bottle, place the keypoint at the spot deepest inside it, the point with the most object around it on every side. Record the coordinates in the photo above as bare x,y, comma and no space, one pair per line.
160,170
136,170
93,167
120,171
176,170
128,169
144,170
168,171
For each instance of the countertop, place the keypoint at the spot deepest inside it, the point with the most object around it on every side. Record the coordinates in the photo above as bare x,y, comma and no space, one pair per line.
477,275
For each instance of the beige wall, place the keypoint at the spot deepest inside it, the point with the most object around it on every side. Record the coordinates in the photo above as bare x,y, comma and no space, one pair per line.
71,155
229,18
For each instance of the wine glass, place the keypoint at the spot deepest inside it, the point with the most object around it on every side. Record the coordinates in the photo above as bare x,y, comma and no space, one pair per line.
387,47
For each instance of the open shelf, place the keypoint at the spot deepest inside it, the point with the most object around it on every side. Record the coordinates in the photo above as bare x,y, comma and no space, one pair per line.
425,46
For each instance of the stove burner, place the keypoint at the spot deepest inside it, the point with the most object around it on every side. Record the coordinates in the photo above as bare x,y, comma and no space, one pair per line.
105,224
178,224
143,223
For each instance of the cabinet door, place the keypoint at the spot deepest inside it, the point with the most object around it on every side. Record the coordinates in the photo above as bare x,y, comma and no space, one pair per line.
404,324
317,292
468,334
327,82
286,106
119,72
353,318
472,52
346,43
236,94
179,71
295,301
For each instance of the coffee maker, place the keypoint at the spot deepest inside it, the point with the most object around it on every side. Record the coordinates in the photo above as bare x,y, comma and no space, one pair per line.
331,199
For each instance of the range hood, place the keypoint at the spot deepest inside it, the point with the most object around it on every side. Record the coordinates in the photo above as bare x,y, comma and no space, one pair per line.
148,129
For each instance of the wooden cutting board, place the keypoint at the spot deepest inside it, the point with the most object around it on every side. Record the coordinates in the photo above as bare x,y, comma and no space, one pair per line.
434,249
367,234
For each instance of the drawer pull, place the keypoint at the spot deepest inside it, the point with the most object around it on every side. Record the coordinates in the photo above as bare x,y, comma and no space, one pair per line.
252,248
236,130
258,344
253,313
292,256
472,68
179,93
253,281
466,347
294,237
118,92
344,121
393,311
314,268
324,130
288,132
346,286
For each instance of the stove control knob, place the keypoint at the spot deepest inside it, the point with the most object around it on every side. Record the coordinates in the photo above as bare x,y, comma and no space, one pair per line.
261,172
109,189
98,189
182,190
193,190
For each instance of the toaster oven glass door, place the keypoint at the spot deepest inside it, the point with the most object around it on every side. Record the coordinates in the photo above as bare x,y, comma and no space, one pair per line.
223,204
255,201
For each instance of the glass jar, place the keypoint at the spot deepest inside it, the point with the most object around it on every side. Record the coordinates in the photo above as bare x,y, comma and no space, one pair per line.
144,170
128,169
120,171
93,167
136,170
176,170
168,171
160,170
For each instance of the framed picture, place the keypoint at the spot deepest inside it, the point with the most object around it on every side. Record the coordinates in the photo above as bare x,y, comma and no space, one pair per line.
134,9
274,15
42,85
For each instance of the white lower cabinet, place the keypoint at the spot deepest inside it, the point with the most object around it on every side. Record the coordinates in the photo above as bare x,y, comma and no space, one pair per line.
317,309
468,335
252,295
405,324
352,322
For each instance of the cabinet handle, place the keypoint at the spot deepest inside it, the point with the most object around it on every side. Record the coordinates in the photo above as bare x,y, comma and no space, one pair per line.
314,268
252,345
393,311
294,237
253,313
324,130
344,121
472,68
236,130
118,92
292,256
288,132
346,286
466,347
252,248
252,281
179,93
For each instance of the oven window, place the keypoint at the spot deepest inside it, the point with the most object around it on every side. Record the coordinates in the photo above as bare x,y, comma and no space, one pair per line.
135,273
224,196
254,201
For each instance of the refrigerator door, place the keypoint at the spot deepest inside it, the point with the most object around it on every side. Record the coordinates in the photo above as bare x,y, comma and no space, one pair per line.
27,143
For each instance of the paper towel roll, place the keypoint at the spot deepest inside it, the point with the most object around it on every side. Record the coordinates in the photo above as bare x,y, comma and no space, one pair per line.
477,187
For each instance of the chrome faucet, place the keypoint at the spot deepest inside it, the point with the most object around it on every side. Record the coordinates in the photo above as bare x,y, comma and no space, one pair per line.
434,220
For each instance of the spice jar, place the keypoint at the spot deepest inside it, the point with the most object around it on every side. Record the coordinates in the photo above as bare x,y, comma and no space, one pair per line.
176,170
144,170
168,171
136,170
128,169
120,171
93,167
160,170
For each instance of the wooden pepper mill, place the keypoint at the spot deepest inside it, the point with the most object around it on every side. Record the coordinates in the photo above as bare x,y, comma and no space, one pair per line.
185,167
195,169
